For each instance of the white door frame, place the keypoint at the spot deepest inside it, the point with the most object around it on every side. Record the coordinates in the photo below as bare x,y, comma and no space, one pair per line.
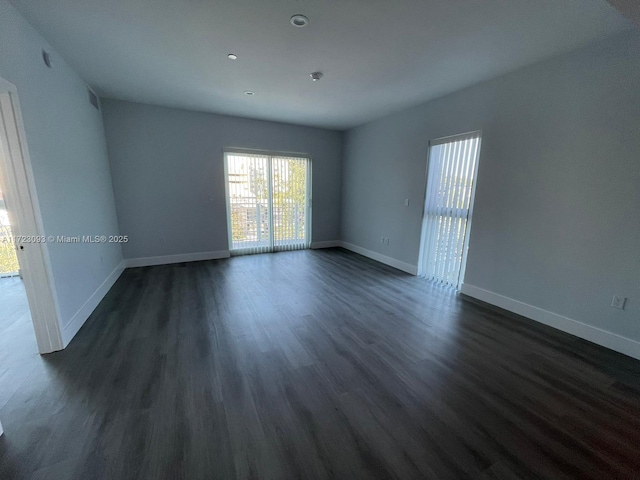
26,220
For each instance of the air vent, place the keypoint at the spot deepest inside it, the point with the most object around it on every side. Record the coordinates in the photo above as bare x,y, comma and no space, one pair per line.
93,98
46,58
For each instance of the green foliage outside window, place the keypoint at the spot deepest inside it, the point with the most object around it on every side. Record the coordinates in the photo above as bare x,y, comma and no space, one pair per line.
8,258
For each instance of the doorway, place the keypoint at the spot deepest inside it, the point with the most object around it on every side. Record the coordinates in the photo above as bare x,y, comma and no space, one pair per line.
26,237
268,202
448,208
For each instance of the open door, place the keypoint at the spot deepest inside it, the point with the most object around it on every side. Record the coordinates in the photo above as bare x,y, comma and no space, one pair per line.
23,215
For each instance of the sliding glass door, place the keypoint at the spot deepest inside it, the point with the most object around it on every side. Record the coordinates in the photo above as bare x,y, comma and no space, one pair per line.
453,165
268,202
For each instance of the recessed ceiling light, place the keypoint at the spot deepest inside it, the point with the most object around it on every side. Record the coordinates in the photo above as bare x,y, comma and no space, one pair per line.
249,92
232,56
299,21
315,76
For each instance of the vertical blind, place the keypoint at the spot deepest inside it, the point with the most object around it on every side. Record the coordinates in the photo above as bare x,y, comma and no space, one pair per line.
453,164
289,203
249,199
268,200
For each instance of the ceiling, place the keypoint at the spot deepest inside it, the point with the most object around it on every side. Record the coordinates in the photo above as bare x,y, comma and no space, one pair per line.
377,56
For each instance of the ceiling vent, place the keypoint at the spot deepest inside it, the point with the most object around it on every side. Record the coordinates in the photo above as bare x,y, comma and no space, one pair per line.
93,98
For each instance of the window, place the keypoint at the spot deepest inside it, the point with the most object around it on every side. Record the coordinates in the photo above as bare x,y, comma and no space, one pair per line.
453,164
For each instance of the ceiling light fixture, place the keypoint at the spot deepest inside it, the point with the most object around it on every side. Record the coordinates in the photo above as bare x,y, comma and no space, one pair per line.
249,92
232,56
315,76
299,21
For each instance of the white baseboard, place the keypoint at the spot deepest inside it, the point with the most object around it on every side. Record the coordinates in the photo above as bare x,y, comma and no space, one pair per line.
378,257
593,334
71,328
326,244
168,259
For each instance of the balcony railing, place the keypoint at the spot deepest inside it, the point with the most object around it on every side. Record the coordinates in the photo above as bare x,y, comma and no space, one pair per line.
250,223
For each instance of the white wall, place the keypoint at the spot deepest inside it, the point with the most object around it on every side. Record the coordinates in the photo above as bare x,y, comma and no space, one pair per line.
557,212
168,174
66,142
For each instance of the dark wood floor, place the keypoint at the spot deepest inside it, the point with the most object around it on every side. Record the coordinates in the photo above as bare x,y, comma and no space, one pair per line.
311,364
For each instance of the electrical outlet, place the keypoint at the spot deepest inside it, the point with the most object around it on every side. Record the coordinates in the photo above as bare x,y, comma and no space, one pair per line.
406,202
618,301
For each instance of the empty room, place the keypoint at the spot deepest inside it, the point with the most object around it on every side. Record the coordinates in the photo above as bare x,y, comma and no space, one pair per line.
295,239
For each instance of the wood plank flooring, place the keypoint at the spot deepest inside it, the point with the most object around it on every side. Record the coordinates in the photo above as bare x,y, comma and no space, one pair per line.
311,364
